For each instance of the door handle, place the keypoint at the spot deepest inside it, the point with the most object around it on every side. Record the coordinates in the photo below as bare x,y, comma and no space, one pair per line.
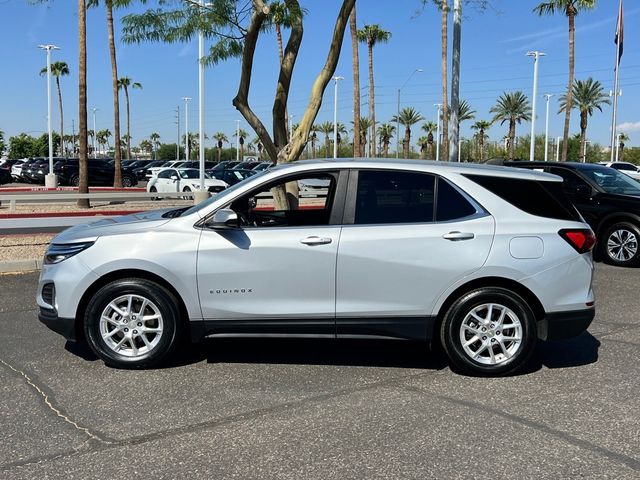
311,241
457,236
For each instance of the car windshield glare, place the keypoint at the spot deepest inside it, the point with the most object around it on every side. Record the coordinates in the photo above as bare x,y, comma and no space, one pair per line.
613,181
191,173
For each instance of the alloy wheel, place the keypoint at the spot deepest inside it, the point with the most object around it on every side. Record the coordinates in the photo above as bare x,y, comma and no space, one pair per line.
622,245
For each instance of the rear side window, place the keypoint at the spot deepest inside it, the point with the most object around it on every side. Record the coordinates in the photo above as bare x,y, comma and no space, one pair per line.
451,203
540,198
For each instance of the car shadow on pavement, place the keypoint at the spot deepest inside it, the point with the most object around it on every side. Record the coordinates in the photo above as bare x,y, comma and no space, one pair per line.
574,352
362,353
82,350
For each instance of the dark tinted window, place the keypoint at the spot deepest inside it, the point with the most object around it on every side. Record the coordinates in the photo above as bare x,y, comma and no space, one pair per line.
624,166
540,198
166,173
394,197
451,203
571,181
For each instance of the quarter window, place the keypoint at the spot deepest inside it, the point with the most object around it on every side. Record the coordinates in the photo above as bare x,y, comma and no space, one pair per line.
452,205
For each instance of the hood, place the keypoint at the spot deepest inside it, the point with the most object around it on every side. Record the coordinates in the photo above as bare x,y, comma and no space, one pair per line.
88,232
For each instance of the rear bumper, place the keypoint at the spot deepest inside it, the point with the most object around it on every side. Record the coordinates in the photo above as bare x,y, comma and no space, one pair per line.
560,325
64,326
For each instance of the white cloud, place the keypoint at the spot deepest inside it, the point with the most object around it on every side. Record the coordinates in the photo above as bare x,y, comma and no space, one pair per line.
628,127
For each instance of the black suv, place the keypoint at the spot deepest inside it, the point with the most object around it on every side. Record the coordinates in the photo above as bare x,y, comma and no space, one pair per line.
608,200
100,173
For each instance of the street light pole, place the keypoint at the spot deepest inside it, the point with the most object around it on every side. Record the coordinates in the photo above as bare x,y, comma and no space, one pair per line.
335,116
536,55
186,127
201,110
93,138
417,70
547,96
617,147
51,180
439,106
558,149
238,140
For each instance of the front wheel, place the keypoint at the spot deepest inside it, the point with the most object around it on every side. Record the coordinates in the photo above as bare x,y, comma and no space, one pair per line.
127,182
489,331
154,190
186,190
132,323
620,245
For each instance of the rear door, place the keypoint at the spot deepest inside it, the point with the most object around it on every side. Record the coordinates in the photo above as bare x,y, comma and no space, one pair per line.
411,236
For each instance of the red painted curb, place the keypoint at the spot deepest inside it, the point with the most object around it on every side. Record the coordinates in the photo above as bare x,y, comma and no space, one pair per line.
68,189
111,213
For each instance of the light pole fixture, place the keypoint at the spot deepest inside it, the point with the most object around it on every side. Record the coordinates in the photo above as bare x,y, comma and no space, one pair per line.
51,180
547,96
417,70
186,127
536,55
335,116
93,138
439,107
238,140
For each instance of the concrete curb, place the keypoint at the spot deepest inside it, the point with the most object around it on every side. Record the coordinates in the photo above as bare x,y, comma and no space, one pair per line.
20,266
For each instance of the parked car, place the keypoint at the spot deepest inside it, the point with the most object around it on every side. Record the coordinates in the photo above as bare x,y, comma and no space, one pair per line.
196,165
153,171
100,173
231,176
262,166
248,165
8,163
183,180
608,200
16,169
141,171
5,176
625,167
484,260
225,164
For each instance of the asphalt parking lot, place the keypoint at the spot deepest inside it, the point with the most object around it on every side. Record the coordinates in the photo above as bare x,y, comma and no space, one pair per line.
262,409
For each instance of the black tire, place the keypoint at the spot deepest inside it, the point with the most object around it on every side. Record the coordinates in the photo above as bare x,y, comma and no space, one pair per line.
620,245
186,190
154,190
127,181
74,181
477,301
159,299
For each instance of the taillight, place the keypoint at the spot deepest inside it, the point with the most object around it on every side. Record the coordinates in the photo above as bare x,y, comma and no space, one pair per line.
582,239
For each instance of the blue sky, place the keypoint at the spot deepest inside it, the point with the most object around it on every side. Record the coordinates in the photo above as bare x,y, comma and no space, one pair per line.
493,60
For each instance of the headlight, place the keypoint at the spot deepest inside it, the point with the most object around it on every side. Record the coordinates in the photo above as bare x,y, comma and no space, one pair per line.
56,253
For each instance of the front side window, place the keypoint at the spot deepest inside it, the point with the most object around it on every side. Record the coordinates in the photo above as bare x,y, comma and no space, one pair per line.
166,173
611,180
298,201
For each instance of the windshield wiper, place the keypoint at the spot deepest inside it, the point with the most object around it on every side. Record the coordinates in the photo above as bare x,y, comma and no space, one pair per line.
175,213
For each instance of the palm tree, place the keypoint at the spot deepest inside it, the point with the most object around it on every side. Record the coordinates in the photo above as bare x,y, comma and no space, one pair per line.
327,129
92,135
371,35
512,107
444,40
59,69
386,132
430,127
423,143
155,141
146,146
622,137
125,83
587,95
243,135
465,112
102,136
365,126
220,139
408,117
481,126
83,161
570,8
355,63
313,138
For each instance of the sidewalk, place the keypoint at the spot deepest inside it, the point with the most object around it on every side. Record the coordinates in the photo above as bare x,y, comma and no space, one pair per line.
22,253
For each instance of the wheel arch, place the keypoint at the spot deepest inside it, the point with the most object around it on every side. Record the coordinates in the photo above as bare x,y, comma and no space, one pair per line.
120,274
615,217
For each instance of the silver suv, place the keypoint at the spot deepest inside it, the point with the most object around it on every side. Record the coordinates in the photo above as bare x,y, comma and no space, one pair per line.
485,260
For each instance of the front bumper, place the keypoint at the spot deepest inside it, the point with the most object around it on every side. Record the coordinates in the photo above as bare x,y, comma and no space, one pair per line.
561,325
64,326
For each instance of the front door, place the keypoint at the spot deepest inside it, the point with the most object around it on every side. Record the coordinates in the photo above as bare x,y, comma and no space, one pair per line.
279,266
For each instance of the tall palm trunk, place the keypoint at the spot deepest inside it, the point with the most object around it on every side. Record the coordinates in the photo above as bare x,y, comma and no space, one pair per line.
117,178
61,118
444,150
481,142
572,60
126,95
83,186
385,149
512,138
353,27
372,102
406,141
584,119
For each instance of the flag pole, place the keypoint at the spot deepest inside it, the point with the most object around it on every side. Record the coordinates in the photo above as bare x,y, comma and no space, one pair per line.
615,88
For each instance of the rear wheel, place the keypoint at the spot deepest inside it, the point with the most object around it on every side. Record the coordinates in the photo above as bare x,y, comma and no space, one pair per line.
186,190
154,190
127,182
489,331
132,323
620,245
75,181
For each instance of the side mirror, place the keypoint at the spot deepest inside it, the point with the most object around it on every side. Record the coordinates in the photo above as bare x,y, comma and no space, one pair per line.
174,178
224,218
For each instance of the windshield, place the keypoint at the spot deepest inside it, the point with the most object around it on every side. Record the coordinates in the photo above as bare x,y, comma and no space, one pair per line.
191,173
612,181
224,192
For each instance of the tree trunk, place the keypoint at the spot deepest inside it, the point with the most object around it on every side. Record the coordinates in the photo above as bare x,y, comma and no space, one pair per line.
372,103
583,136
219,153
281,58
444,150
512,138
83,187
117,177
406,141
355,62
481,142
126,94
569,105
62,153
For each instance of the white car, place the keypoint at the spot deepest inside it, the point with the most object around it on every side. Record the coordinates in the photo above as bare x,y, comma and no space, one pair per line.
16,168
153,171
483,260
183,180
624,167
